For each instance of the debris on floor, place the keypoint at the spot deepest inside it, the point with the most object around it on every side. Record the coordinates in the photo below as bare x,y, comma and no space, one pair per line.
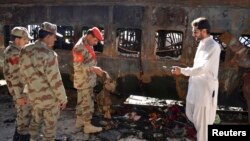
137,119
128,122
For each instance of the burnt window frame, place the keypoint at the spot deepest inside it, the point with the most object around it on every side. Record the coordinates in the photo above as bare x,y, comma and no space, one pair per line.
247,40
100,45
171,53
33,31
61,42
126,47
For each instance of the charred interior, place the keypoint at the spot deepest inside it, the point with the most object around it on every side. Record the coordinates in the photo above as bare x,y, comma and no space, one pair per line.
140,36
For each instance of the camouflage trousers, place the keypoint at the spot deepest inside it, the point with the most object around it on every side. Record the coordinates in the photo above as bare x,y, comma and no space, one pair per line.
23,118
44,120
85,106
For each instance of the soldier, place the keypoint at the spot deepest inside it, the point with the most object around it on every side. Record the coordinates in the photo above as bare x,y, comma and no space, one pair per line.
19,37
85,71
46,93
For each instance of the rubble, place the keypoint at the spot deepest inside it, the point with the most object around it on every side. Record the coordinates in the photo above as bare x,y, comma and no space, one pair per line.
129,122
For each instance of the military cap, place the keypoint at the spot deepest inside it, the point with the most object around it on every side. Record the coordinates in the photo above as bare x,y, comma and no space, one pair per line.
52,28
21,32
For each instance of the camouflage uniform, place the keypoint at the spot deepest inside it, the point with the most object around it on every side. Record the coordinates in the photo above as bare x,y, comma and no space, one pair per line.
12,77
39,68
84,81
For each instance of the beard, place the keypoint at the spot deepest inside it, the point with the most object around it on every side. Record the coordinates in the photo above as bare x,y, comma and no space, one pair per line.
198,39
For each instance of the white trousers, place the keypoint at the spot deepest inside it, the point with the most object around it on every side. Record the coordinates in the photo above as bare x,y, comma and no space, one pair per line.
201,117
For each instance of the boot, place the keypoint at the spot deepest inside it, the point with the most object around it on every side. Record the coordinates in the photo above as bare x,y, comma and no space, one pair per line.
89,128
24,137
79,122
77,130
78,125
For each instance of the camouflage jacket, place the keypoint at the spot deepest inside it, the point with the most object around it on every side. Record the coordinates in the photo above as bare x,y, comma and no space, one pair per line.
11,71
39,68
84,58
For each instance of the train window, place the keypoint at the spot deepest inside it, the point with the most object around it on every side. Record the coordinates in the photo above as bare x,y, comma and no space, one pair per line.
168,43
33,30
66,42
85,29
99,46
7,29
245,40
129,42
222,45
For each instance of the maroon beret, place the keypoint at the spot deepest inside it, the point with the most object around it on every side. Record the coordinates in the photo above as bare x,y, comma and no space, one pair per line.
97,33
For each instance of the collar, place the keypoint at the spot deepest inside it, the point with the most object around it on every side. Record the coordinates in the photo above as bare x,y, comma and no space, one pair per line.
41,44
203,41
12,44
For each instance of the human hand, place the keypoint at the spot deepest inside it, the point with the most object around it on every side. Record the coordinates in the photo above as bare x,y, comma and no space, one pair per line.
176,70
63,105
21,101
97,70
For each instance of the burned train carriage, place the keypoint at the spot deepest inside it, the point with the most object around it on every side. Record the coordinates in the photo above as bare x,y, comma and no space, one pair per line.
140,37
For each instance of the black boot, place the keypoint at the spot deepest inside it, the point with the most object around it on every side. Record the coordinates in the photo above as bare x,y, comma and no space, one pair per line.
16,136
24,137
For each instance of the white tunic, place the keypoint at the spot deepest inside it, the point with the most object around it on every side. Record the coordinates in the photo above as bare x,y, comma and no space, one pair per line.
203,86
203,79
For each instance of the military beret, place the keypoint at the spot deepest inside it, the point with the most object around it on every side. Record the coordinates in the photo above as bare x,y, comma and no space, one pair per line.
97,33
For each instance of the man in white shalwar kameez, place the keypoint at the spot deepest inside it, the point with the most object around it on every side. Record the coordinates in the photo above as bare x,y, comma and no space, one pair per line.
201,101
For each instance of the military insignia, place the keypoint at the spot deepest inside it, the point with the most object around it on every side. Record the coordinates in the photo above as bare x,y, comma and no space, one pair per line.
14,60
77,56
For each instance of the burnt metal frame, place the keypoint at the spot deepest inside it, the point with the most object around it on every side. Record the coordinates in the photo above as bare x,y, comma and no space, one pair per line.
245,40
129,40
168,43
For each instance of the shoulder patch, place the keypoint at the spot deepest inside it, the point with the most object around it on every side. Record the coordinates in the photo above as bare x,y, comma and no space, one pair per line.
13,60
77,56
